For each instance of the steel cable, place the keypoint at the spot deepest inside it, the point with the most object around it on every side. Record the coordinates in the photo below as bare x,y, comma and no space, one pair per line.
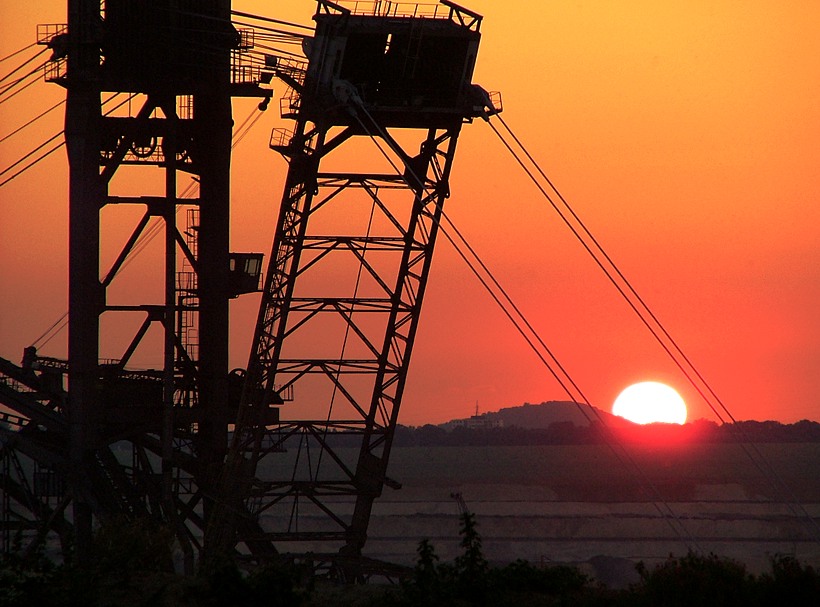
675,353
52,150
17,52
33,120
24,64
668,515
21,89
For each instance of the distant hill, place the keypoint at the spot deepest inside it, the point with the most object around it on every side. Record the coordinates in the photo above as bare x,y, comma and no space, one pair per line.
543,415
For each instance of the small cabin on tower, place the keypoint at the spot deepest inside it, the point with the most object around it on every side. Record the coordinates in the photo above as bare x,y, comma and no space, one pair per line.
409,65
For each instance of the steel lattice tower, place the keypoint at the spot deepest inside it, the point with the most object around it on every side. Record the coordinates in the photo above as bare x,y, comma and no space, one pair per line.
313,417
340,309
166,70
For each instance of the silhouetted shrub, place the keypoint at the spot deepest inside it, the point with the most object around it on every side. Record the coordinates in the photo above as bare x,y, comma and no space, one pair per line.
124,547
695,580
471,566
789,583
555,580
426,573
278,584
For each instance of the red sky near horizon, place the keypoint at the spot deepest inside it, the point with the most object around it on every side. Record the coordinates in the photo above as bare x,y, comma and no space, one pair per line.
685,136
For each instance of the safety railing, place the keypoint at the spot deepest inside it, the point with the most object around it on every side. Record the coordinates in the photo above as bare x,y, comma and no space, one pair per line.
410,10
379,8
289,104
46,32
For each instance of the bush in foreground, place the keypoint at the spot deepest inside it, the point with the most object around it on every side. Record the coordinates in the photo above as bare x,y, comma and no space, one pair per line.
693,579
131,568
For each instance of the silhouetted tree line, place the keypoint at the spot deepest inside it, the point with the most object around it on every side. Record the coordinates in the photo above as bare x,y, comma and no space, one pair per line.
132,568
567,433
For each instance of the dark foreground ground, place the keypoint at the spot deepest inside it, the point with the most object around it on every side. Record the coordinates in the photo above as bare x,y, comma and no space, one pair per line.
678,524
127,572
602,511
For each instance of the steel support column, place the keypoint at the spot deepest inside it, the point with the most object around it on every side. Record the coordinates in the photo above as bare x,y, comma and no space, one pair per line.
85,295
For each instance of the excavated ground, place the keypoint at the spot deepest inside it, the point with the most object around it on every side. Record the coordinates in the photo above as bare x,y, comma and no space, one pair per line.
584,505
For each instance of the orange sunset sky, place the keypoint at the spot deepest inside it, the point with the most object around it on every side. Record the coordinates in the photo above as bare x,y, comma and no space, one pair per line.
684,133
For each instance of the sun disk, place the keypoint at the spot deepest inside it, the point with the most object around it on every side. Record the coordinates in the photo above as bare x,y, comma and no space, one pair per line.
650,402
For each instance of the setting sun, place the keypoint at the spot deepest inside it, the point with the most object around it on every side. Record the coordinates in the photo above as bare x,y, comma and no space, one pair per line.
650,402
